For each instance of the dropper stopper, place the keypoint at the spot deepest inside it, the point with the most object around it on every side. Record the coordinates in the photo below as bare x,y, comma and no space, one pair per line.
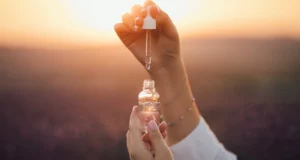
149,21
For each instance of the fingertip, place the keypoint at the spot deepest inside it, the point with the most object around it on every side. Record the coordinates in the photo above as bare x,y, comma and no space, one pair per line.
135,10
117,25
126,16
134,113
135,7
148,3
134,121
120,28
162,126
134,108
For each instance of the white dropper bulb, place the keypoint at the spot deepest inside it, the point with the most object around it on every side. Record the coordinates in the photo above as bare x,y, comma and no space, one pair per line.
149,21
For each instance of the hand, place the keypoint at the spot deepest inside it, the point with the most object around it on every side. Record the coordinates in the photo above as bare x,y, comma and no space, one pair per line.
165,39
140,150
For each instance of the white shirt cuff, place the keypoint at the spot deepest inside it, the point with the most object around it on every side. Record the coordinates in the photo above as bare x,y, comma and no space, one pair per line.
200,144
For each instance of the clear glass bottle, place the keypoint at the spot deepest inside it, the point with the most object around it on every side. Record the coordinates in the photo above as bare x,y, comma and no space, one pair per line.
149,105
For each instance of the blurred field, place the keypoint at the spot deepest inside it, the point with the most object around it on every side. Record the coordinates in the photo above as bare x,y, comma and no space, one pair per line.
75,103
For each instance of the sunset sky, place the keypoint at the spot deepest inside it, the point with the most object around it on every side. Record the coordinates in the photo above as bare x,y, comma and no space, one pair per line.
35,22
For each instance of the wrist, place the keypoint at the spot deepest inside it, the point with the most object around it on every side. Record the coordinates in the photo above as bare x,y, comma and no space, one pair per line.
172,82
169,71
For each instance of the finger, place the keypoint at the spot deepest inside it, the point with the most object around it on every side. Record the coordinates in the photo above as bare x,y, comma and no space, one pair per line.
128,141
134,122
139,21
128,20
136,10
163,126
134,130
149,3
162,129
121,28
155,136
154,11
162,18
166,25
146,137
136,13
143,13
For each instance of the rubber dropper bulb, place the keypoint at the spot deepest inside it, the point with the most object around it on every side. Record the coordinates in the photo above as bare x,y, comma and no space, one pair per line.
149,21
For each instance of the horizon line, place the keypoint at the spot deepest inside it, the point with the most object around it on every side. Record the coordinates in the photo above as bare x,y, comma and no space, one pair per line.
77,45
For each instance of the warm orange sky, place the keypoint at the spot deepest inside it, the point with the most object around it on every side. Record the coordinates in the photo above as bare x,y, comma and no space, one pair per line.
92,21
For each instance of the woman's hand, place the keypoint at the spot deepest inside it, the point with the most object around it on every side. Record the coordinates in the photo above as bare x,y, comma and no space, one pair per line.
140,150
165,39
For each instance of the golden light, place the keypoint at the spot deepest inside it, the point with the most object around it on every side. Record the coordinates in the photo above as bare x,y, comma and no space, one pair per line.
100,15
91,22
87,22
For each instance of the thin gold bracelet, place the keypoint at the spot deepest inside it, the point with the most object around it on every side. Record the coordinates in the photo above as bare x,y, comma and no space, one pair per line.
189,109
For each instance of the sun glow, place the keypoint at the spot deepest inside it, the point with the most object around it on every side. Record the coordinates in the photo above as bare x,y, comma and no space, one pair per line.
91,22
100,15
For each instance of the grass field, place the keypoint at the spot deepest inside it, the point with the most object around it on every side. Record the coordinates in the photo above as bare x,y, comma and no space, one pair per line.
75,103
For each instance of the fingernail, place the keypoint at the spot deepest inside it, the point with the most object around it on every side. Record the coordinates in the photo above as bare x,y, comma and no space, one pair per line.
152,125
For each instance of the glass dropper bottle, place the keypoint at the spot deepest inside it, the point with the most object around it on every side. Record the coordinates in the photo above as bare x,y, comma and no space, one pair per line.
149,105
149,25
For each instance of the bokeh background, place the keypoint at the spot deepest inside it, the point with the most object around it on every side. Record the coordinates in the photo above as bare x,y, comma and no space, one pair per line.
67,84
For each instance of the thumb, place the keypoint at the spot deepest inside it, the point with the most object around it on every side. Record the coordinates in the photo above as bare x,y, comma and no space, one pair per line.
155,136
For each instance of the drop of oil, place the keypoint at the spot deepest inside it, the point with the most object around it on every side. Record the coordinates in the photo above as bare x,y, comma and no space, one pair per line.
148,62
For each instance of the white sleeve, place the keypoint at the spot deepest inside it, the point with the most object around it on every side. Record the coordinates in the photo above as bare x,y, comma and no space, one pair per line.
201,144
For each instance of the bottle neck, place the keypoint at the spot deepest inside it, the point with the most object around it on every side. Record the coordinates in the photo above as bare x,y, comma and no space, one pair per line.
149,85
148,89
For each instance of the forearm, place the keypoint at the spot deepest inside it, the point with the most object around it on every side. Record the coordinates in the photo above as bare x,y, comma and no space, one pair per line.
176,97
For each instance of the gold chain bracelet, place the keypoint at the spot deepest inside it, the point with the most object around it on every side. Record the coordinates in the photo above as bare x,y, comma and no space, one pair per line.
189,109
